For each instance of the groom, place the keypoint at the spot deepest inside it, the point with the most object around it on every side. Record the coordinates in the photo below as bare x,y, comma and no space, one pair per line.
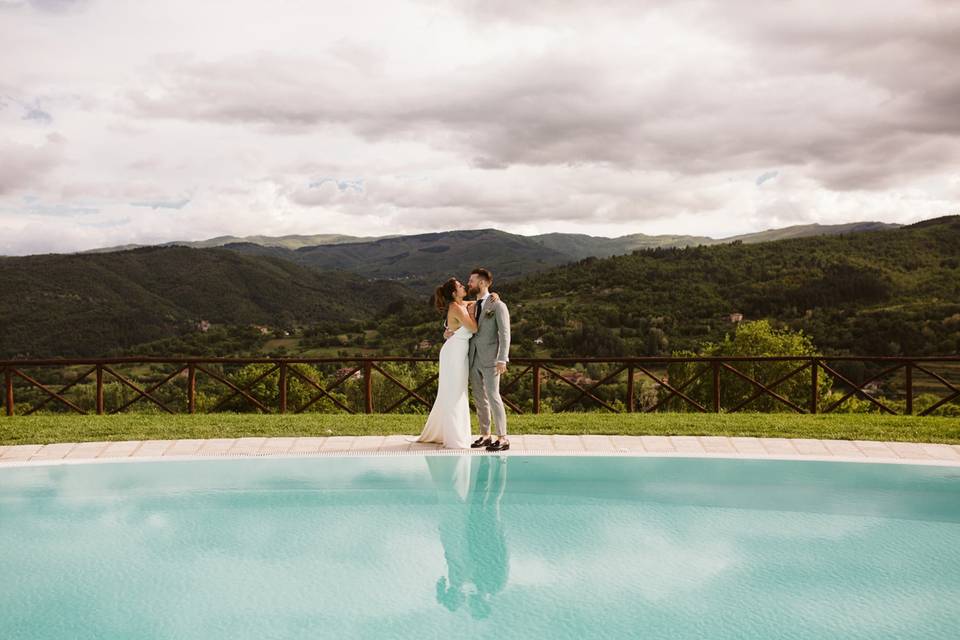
489,353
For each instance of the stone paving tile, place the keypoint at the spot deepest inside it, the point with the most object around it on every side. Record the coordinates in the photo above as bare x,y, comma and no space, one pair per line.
422,446
87,450
188,447
810,447
567,443
367,443
152,449
3,448
942,451
277,446
536,442
956,447
216,446
55,451
597,443
747,445
843,448
778,446
120,449
308,445
338,443
873,449
687,444
21,451
717,444
246,446
910,450
627,443
657,444
396,443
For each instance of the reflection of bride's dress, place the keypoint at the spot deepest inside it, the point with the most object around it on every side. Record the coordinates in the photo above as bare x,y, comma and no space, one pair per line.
449,420
471,530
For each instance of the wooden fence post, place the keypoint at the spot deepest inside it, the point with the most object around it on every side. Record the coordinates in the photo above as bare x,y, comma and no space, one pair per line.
814,386
283,387
630,400
368,386
536,388
99,389
908,383
8,383
716,386
191,388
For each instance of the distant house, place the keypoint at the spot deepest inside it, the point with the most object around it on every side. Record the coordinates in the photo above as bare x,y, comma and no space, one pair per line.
736,317
262,329
203,326
538,341
425,345
354,376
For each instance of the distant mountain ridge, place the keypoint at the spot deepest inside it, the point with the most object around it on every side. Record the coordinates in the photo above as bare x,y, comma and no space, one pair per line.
421,261
575,245
287,242
584,246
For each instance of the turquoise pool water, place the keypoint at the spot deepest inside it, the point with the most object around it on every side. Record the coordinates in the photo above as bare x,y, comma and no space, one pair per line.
479,547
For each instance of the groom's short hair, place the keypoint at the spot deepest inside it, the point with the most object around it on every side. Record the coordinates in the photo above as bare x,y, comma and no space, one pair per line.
483,273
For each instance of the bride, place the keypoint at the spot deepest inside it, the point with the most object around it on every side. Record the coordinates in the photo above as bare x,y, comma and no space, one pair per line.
449,420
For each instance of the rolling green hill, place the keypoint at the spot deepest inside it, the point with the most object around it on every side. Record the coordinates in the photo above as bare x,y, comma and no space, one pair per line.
884,292
93,304
579,247
424,261
874,293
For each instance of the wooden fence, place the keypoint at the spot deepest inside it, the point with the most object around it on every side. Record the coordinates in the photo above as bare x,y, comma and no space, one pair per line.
713,371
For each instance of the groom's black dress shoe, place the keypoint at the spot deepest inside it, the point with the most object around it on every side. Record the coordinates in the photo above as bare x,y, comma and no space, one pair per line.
499,445
482,441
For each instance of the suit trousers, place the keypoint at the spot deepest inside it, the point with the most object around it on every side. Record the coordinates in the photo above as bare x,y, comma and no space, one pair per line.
485,383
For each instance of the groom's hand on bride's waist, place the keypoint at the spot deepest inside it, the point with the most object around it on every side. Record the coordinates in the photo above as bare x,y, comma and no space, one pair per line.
447,333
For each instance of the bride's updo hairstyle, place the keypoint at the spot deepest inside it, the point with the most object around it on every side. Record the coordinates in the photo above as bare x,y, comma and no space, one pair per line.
444,294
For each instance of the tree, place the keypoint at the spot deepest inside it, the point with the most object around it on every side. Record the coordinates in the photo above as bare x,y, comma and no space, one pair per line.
756,339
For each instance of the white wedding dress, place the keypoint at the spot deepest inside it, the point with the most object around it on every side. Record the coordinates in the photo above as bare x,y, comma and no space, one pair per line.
449,420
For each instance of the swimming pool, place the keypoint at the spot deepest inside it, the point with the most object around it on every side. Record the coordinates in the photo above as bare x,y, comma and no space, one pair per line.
480,547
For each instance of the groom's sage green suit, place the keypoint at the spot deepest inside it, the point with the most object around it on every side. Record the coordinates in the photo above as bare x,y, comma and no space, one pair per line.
488,346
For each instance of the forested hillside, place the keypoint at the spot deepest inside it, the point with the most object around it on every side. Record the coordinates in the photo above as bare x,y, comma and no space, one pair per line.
93,304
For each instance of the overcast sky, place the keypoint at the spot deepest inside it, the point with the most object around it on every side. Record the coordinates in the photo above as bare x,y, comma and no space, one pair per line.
141,122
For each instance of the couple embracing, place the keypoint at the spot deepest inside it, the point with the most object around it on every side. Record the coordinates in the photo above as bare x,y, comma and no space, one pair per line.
477,350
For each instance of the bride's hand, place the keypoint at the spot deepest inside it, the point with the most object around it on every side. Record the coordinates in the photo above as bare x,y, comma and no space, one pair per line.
495,297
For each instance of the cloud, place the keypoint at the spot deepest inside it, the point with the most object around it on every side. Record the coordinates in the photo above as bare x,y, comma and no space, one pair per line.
24,165
162,204
610,118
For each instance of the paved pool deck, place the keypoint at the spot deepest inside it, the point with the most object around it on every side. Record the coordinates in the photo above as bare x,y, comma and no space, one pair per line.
651,446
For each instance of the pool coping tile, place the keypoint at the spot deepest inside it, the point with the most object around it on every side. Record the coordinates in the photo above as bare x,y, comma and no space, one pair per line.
718,447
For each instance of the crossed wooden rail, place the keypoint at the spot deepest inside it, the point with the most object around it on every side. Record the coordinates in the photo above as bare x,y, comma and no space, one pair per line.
539,369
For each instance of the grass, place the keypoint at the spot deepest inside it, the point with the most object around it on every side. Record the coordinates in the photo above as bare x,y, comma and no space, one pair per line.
45,429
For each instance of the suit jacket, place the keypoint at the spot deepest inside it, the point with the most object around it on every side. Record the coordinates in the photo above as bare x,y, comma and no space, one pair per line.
491,343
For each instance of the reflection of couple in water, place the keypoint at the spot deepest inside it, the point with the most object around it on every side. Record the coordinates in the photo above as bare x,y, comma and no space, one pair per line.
471,530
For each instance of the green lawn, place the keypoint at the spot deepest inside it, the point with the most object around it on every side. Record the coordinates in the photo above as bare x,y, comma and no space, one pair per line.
66,428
